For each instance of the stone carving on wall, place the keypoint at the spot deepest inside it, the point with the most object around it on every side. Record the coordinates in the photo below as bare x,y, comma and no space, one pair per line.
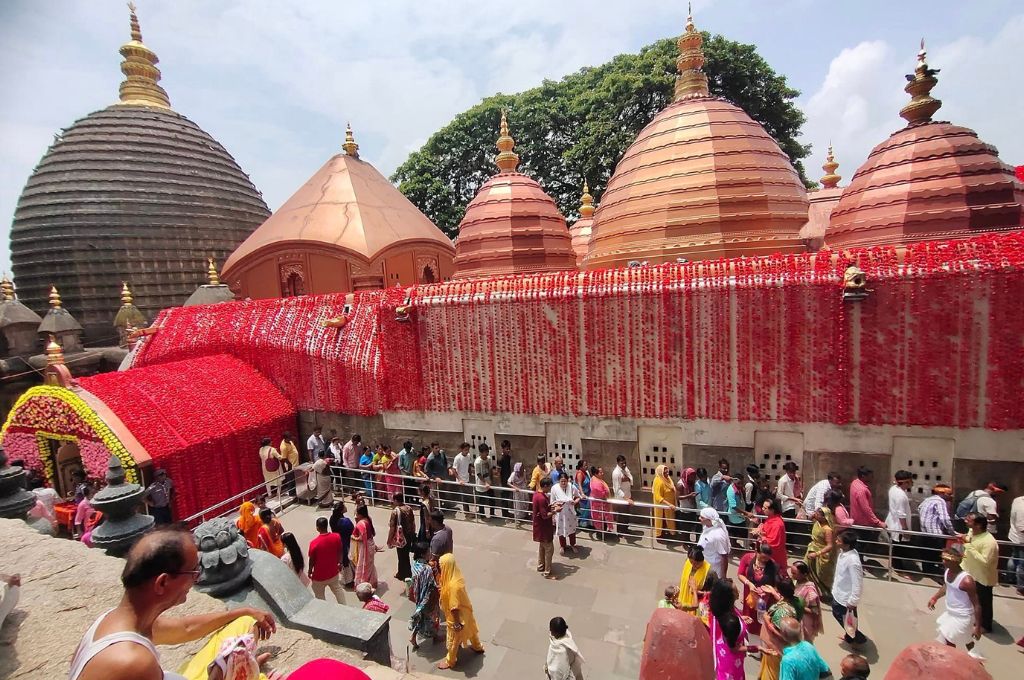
427,270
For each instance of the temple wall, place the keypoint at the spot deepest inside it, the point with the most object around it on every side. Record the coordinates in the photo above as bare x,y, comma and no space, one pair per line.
966,458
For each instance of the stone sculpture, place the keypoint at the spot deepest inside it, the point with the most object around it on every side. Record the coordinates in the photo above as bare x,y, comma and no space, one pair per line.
223,558
119,502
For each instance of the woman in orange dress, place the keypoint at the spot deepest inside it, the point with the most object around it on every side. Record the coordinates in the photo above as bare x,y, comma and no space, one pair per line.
269,534
249,524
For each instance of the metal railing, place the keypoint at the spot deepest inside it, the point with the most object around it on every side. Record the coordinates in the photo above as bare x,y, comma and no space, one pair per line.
278,493
630,521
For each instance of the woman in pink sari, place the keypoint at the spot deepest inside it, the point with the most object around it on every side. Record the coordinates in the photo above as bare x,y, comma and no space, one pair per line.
600,509
365,549
728,632
392,474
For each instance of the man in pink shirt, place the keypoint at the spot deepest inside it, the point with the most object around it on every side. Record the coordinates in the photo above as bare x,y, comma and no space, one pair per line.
862,510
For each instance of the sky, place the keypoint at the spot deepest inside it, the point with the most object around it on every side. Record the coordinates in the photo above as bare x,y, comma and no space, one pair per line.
275,81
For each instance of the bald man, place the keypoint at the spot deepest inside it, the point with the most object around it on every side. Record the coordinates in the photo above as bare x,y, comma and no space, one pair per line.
800,660
854,667
158,573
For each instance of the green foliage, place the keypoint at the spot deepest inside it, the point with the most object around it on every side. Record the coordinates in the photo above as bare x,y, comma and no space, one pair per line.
580,126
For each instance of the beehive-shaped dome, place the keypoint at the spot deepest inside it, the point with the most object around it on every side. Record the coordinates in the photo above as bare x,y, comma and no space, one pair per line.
930,180
135,191
702,180
511,226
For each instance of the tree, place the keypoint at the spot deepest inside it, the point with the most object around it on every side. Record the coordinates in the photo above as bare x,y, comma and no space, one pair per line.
580,126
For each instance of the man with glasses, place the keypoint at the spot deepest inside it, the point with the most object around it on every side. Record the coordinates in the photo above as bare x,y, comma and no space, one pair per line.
159,571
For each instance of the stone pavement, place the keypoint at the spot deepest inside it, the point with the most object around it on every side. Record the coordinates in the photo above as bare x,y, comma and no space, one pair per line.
606,594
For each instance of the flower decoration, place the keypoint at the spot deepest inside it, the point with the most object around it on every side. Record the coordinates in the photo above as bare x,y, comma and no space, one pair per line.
938,343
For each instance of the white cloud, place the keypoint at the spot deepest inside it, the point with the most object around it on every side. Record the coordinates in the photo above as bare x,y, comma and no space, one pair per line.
857,104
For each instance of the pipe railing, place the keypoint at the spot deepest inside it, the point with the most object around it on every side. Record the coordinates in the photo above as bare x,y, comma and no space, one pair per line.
919,556
280,488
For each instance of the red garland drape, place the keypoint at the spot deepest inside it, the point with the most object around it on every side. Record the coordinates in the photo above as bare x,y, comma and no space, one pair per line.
205,414
937,342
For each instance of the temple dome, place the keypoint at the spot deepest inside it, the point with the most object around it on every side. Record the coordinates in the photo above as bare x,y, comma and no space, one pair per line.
931,180
133,192
511,226
702,180
346,228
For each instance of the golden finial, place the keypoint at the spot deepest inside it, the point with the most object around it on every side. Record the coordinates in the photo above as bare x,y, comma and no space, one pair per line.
831,179
691,81
922,106
211,272
54,297
140,86
587,207
7,288
506,160
350,146
126,295
54,352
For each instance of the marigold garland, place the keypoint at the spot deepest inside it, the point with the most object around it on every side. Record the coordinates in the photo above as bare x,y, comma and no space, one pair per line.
47,411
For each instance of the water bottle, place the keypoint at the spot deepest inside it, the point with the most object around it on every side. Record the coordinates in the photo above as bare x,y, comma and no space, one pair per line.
762,608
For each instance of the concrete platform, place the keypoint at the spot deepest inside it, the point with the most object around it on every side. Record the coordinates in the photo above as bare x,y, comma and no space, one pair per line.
606,594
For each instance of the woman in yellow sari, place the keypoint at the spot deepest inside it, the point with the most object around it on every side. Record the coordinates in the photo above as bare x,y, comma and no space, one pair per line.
249,524
664,492
693,584
458,612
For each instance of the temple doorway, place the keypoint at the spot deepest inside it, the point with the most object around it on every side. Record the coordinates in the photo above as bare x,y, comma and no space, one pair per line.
428,275
67,459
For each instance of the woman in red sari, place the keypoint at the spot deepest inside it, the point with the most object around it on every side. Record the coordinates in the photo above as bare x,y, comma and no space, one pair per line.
773,532
600,509
365,548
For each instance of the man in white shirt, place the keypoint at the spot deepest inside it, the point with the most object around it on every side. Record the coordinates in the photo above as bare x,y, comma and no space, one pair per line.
1017,538
798,534
460,469
622,489
316,444
982,502
815,496
482,470
898,520
335,448
848,584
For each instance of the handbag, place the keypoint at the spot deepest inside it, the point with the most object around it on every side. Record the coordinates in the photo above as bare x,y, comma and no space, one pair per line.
850,623
348,573
397,540
271,464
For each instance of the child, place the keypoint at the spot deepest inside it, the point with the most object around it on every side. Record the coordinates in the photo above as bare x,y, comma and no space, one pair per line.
671,599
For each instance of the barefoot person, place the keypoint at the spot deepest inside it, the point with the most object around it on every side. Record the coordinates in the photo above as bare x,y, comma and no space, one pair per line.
543,526
158,573
960,624
458,613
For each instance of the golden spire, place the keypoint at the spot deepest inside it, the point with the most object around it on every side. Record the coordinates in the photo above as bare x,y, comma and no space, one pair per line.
126,295
6,288
587,207
140,87
691,81
54,297
211,272
350,146
54,352
506,160
920,83
830,179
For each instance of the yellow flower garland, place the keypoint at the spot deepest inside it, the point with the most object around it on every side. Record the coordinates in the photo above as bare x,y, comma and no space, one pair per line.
99,428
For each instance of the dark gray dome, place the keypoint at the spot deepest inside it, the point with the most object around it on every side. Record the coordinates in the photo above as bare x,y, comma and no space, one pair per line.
130,193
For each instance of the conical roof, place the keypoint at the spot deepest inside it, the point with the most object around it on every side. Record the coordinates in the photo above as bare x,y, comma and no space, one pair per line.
347,204
702,180
511,226
929,180
135,191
